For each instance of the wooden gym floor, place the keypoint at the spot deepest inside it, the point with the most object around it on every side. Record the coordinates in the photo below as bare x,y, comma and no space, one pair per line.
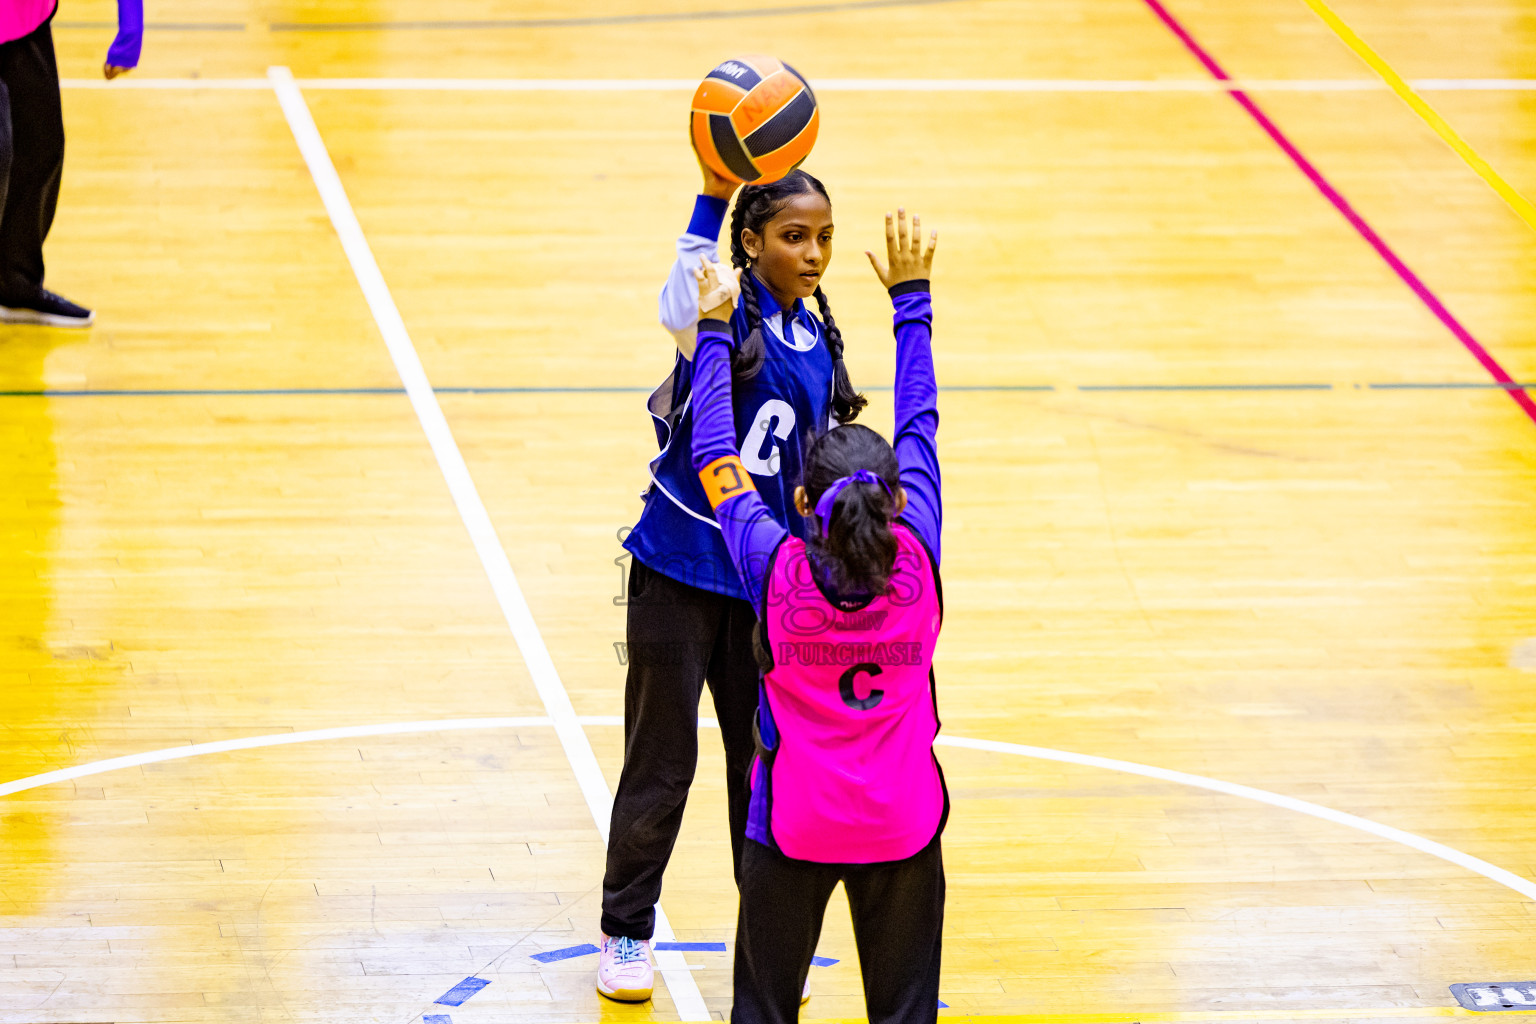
1227,497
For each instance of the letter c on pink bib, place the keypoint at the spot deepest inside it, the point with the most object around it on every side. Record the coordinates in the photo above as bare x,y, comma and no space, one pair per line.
845,687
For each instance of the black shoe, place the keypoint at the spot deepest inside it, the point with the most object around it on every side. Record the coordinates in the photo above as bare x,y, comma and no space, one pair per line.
44,309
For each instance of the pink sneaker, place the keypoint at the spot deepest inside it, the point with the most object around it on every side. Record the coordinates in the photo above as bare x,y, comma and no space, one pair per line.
624,970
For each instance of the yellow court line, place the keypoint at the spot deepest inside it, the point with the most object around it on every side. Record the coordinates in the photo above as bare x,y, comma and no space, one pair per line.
1510,195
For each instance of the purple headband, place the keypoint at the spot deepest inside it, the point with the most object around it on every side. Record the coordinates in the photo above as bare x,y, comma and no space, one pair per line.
829,496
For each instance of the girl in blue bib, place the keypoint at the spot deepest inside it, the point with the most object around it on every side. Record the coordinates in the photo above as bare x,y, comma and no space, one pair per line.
688,621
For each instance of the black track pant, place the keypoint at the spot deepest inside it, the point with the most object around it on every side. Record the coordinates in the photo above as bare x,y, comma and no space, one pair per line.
31,158
679,638
898,924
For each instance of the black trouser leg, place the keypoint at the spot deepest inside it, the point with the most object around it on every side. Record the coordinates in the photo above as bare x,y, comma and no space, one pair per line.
783,902
898,925
671,635
31,195
7,142
733,682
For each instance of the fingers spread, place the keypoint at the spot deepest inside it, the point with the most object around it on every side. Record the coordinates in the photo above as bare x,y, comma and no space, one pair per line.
917,235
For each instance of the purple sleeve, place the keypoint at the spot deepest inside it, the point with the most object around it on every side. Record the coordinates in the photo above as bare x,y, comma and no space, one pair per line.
124,52
917,412
751,532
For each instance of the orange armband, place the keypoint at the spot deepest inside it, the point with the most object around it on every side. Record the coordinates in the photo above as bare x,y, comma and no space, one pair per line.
724,479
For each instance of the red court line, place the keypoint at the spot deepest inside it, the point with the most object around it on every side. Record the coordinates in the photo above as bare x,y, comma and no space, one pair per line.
1472,345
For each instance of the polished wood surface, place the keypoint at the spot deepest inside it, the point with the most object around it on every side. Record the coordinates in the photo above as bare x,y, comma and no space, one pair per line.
1317,591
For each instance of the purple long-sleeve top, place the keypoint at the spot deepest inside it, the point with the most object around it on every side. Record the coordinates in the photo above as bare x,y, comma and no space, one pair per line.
751,532
124,51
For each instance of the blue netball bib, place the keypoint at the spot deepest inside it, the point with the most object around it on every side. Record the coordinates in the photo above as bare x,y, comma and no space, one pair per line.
778,413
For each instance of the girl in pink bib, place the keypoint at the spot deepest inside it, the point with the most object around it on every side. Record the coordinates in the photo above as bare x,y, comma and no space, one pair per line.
845,786
32,152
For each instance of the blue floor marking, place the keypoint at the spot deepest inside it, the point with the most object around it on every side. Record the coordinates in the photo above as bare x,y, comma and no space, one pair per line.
161,26
465,989
691,947
943,1005
437,1018
983,387
822,961
564,954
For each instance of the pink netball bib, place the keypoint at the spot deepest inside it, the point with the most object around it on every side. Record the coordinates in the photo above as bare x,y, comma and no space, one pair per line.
20,17
851,695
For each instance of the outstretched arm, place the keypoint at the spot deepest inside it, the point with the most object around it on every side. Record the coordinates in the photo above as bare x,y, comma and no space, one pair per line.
906,275
751,532
123,56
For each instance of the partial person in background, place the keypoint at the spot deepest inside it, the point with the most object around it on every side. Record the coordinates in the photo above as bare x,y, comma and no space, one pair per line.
32,152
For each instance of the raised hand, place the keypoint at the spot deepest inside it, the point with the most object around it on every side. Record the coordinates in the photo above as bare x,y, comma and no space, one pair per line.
904,251
719,288
714,184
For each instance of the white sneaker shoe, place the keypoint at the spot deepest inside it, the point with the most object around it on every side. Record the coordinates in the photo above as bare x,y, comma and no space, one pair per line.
624,970
805,993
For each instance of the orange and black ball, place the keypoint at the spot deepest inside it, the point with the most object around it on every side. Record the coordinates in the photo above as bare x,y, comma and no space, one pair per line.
754,119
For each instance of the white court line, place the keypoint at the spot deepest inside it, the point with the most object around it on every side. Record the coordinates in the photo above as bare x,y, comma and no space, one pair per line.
820,85
1473,84
132,83
541,667
984,85
1505,878
346,732
1492,872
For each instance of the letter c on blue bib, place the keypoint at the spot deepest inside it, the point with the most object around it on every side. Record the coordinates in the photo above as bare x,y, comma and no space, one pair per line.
845,687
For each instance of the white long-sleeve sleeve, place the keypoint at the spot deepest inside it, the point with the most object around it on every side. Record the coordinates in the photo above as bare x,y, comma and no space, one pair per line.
679,302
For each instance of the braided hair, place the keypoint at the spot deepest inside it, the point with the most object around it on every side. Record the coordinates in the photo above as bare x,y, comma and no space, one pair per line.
756,205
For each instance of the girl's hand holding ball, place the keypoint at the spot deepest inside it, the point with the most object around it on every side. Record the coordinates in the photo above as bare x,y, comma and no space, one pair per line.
715,185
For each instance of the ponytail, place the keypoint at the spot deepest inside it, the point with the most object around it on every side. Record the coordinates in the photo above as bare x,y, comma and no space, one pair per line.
852,540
